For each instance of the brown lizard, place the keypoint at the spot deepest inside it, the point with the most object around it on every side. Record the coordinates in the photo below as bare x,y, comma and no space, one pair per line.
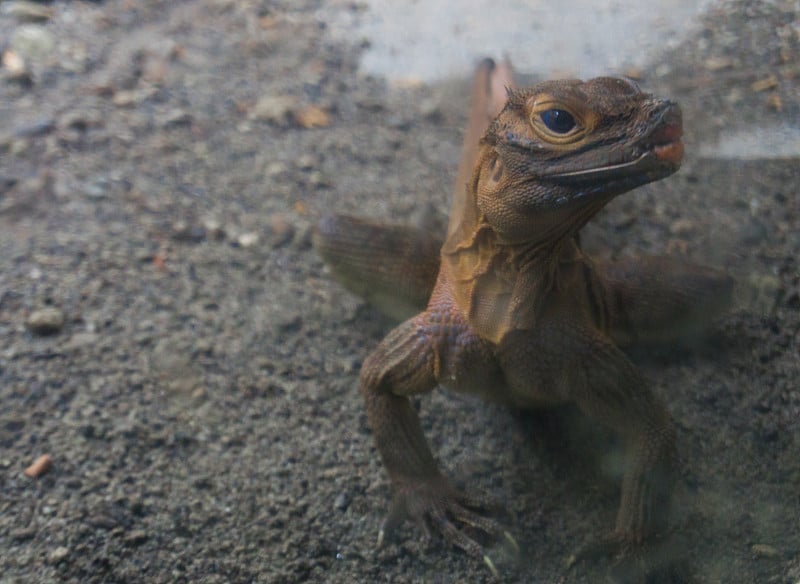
512,309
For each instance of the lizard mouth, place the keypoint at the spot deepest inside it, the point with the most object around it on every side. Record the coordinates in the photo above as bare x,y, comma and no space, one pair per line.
667,143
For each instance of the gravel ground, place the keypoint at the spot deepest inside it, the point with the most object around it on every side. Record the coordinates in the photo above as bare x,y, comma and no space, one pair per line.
169,339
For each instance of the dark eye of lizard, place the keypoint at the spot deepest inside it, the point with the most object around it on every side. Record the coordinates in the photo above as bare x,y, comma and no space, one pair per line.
558,120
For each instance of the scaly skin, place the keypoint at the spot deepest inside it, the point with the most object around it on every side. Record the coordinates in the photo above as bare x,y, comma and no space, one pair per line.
518,313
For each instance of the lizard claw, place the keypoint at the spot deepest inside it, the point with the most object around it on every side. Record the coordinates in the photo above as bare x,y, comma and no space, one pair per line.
512,542
490,564
437,506
509,551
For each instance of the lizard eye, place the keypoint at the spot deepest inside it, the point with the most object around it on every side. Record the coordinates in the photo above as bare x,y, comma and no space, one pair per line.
558,121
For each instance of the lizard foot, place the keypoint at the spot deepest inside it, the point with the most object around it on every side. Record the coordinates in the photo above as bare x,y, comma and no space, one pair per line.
436,506
658,560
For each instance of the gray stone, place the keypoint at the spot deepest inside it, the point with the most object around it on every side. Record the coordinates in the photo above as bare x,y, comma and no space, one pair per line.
274,108
58,555
27,11
32,41
45,321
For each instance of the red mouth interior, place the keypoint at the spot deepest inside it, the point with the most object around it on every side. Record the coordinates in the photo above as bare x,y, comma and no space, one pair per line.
668,143
670,152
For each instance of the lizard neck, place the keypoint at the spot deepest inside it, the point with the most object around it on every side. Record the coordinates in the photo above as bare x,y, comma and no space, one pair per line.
501,286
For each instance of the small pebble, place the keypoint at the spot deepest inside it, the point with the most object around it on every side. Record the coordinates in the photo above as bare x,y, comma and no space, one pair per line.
39,128
45,321
762,550
214,229
23,534
58,555
312,117
31,41
176,117
102,521
769,82
13,63
273,108
136,537
27,11
306,162
125,98
247,239
40,466
342,502
718,63
97,190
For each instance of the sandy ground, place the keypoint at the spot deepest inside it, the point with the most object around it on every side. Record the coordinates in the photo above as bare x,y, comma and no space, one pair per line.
170,339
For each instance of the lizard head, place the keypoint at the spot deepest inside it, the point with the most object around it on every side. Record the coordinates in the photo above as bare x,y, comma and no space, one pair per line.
559,151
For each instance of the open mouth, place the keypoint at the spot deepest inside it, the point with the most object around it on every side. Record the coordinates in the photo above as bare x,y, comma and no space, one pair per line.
672,152
667,144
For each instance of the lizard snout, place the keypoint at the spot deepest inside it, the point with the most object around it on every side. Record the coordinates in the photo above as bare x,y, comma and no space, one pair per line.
666,137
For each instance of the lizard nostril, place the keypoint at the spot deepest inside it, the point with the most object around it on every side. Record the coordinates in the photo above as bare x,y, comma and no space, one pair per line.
669,114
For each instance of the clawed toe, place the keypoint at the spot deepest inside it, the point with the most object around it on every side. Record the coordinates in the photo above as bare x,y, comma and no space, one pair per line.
511,542
506,552
436,507
501,547
490,564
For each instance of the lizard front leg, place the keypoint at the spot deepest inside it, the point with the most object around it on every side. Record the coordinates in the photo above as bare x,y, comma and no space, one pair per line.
564,360
410,361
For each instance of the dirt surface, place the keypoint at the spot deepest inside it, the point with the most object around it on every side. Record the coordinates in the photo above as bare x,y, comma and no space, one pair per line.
170,339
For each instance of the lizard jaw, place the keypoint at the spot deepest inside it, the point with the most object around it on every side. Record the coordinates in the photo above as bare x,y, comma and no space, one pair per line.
655,162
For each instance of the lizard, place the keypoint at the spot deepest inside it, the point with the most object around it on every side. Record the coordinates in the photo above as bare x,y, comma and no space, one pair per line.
512,309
